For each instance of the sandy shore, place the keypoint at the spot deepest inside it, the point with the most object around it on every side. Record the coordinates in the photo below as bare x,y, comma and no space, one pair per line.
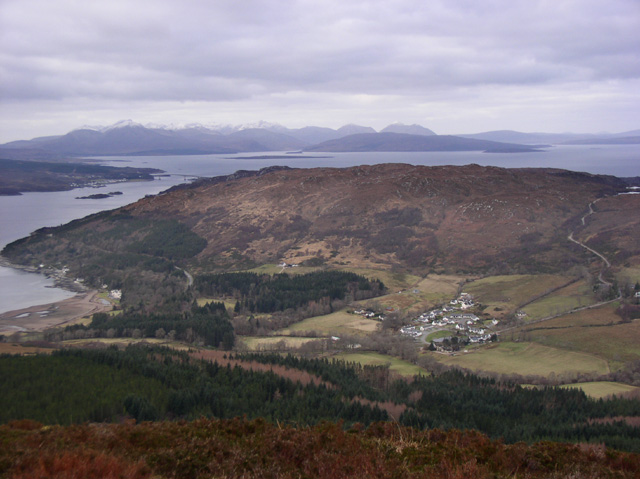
49,315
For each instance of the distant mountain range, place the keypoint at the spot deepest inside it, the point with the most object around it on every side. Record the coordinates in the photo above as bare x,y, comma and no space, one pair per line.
404,142
556,138
130,138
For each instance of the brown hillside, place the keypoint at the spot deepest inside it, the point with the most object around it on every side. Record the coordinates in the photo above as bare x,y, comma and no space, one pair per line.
237,448
413,217
614,228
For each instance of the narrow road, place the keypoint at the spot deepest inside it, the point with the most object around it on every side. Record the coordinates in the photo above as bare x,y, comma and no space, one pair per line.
189,277
606,266
606,262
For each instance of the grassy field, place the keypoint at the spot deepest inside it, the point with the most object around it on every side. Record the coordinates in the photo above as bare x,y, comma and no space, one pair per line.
602,316
20,349
525,358
228,303
126,342
401,367
394,282
629,275
275,269
439,334
573,296
617,343
336,323
504,294
446,285
255,343
601,389
414,294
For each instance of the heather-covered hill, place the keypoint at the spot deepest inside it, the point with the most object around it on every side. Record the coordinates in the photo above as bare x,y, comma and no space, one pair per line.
414,217
251,449
444,218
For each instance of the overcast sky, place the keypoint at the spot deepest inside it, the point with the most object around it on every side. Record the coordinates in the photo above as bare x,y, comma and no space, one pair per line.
455,66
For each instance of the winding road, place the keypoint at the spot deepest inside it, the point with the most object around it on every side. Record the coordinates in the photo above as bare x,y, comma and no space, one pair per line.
606,266
606,262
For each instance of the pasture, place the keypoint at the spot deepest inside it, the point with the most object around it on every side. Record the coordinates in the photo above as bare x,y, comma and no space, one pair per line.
615,341
602,389
399,366
394,282
505,294
271,343
336,323
573,296
525,358
228,303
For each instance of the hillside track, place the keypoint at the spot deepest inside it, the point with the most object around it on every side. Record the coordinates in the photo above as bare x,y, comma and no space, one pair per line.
606,266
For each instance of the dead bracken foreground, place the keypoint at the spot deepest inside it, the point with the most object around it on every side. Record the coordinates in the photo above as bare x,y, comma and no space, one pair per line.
251,449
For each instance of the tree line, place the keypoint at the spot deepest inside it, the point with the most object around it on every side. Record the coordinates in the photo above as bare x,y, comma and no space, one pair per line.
255,293
158,383
207,325
74,386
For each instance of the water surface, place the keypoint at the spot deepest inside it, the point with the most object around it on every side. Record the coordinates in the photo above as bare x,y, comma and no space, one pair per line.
20,215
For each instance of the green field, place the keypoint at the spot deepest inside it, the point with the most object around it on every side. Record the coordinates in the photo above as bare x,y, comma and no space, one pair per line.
617,343
255,343
573,296
629,275
126,342
414,294
439,334
336,323
394,282
401,367
507,293
228,303
275,269
601,389
525,358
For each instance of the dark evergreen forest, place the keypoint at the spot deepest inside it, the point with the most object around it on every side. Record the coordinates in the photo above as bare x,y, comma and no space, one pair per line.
268,294
73,386
207,325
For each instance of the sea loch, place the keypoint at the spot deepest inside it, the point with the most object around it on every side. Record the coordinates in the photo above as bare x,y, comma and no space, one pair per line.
20,215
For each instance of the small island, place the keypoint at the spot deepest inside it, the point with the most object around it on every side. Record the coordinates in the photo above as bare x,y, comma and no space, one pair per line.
99,196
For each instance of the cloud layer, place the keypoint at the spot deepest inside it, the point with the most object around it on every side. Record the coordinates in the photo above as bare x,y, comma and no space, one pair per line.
454,66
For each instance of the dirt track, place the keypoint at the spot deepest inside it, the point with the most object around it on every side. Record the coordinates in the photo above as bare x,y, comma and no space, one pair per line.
48,315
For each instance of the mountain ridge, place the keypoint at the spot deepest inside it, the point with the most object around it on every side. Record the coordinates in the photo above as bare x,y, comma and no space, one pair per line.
399,216
130,138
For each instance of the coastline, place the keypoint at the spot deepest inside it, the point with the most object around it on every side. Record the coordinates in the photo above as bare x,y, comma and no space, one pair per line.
58,276
42,316
49,315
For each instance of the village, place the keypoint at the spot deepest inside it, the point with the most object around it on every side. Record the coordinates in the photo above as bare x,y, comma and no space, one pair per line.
465,327
454,318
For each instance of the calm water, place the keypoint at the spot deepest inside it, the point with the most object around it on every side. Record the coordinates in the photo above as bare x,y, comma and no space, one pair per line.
20,215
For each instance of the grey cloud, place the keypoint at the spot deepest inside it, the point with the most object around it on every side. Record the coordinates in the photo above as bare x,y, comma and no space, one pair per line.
248,50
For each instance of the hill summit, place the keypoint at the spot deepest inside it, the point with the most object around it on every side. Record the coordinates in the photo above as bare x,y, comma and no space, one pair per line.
414,217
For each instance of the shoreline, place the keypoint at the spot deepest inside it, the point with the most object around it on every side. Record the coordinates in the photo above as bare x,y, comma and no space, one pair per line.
44,316
60,281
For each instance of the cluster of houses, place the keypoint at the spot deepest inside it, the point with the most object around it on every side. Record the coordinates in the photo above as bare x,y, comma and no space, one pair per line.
464,301
285,265
413,331
452,315
367,313
115,294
